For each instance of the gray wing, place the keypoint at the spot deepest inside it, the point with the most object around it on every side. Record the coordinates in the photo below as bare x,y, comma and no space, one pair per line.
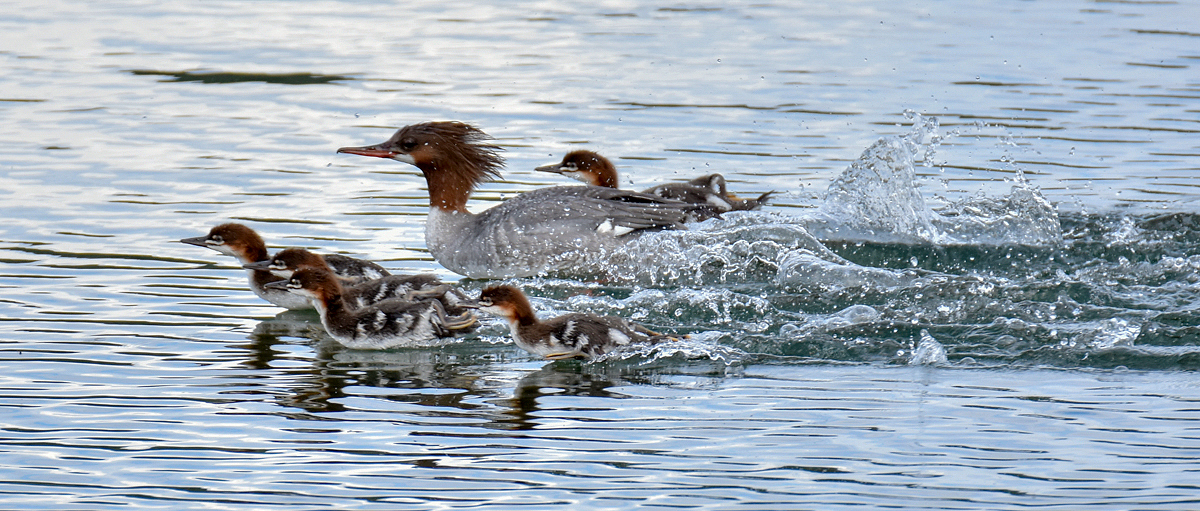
555,221
556,228
590,206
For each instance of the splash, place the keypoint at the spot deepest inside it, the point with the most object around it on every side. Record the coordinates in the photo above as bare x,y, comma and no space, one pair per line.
739,248
990,277
929,351
855,315
1023,217
701,346
877,199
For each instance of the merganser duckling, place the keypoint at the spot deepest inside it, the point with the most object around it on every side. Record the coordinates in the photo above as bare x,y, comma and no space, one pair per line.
385,324
359,294
247,247
543,230
569,336
706,191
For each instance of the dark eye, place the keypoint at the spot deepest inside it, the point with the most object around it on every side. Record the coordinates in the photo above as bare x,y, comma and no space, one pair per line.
408,144
217,239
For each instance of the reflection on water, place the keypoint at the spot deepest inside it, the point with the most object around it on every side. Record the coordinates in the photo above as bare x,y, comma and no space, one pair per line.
1020,200
230,77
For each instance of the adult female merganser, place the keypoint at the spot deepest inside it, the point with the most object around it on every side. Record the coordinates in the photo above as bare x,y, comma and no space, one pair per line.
359,294
708,192
573,335
247,247
385,324
558,228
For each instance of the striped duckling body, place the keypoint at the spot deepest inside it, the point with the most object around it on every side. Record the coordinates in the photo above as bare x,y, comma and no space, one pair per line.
381,325
568,336
358,293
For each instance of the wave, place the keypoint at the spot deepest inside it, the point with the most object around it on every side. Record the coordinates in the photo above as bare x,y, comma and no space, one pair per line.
874,274
877,200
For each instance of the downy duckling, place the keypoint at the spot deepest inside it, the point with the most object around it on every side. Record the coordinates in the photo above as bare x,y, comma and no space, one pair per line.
382,325
363,293
245,245
568,336
709,192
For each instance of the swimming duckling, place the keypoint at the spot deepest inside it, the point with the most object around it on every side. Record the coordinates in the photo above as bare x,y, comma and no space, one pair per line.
366,292
381,325
709,192
569,336
241,242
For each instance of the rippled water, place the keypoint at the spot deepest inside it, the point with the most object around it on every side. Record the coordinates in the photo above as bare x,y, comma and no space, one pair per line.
977,288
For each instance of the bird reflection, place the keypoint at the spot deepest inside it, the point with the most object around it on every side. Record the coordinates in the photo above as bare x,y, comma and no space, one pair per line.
318,384
564,378
267,334
472,379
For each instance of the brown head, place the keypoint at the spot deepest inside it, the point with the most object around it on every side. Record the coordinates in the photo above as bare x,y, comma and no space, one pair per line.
287,261
714,182
295,259
507,302
316,283
586,166
235,240
453,156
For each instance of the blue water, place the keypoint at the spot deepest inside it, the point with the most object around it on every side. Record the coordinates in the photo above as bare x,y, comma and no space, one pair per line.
976,289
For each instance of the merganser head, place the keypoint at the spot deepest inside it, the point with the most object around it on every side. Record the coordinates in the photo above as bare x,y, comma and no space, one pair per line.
586,166
234,240
507,302
318,284
453,156
287,261
714,182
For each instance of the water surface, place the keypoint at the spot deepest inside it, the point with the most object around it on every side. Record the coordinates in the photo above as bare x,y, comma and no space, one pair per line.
977,288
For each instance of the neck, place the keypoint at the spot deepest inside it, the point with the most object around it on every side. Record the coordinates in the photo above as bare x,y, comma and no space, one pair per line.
330,305
254,254
523,316
447,190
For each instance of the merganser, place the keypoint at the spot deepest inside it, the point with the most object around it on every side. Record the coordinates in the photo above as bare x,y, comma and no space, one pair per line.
569,336
359,294
706,191
543,230
385,324
247,247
